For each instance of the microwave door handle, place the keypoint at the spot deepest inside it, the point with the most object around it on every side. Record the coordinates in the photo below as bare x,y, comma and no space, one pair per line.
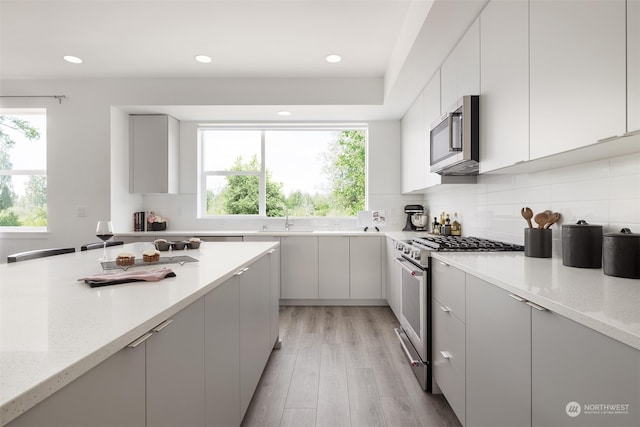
452,148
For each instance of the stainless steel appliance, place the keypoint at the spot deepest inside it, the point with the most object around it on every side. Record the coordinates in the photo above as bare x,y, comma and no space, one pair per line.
414,332
455,139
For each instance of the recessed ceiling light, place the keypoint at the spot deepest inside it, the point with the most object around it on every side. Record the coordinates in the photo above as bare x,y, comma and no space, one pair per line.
333,58
284,113
203,58
72,59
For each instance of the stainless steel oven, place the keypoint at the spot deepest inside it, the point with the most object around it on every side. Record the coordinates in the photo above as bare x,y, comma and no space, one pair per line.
414,332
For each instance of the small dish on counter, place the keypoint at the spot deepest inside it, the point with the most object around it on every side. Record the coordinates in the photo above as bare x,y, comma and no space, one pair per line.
178,245
193,243
161,244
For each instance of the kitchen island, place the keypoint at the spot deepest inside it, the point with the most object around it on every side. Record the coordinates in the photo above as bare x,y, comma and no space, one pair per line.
54,328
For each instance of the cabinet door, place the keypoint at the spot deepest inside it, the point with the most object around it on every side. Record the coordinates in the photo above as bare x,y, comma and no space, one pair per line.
111,394
498,358
222,354
431,110
255,327
504,71
299,267
575,369
577,73
365,255
392,277
633,65
460,72
412,147
154,154
175,367
333,268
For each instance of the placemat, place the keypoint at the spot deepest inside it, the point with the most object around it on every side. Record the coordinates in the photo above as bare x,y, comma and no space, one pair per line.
180,259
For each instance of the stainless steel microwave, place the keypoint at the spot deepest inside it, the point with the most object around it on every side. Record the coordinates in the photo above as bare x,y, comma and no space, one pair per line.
455,139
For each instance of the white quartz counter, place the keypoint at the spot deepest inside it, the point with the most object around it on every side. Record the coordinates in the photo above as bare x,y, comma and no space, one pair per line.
609,305
54,328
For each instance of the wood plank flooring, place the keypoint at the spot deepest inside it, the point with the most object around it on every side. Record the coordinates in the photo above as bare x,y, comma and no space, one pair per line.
342,366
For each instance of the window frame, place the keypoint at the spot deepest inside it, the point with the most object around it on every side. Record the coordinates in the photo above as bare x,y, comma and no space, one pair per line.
22,111
263,128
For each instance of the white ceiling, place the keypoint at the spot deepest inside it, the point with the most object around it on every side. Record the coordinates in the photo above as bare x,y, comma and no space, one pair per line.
246,39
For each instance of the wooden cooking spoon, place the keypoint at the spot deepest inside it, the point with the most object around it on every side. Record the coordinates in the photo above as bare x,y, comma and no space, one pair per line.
541,219
553,218
527,214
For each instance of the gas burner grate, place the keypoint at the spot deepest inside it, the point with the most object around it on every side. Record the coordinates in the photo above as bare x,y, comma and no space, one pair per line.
470,244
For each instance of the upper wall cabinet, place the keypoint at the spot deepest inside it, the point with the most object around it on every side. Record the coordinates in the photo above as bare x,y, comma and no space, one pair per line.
504,84
154,154
460,72
412,147
431,110
633,65
577,73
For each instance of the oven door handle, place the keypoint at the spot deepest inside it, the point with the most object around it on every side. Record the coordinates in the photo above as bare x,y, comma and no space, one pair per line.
407,353
404,264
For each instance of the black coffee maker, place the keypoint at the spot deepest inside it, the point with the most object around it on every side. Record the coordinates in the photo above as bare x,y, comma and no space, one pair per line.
410,210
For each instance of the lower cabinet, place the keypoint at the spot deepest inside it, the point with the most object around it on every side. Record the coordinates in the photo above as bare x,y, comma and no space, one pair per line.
393,275
365,272
528,366
498,345
581,377
255,327
174,367
111,394
299,267
333,271
222,355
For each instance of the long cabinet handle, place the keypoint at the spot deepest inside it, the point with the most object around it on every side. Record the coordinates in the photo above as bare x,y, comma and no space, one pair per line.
162,325
536,306
140,340
445,309
271,251
446,354
443,263
241,271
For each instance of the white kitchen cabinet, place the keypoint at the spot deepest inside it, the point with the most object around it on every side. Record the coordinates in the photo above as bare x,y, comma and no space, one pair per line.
299,267
365,273
448,334
572,363
111,394
460,72
413,146
577,74
498,352
633,65
504,85
174,370
333,269
154,154
255,327
275,284
222,354
393,276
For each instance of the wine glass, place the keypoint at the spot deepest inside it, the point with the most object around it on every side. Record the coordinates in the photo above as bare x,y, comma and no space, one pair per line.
104,231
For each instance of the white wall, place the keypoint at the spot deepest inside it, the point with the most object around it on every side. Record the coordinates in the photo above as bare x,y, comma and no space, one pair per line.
604,192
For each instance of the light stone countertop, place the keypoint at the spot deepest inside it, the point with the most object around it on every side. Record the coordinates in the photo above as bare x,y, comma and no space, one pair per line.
54,329
609,305
227,233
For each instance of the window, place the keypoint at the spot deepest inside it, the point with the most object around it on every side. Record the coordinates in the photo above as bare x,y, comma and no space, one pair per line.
23,168
273,171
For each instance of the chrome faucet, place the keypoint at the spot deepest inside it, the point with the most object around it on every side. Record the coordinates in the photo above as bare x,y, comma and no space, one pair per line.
287,224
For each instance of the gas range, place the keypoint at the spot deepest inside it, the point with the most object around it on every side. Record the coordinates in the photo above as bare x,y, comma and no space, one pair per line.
418,250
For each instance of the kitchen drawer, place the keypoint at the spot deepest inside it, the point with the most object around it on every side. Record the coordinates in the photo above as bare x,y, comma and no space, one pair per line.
448,287
448,337
448,373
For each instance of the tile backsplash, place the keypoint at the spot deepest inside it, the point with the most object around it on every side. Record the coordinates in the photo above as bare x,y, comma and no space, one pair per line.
604,192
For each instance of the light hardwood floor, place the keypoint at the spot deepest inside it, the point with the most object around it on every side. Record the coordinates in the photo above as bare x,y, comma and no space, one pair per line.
342,366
